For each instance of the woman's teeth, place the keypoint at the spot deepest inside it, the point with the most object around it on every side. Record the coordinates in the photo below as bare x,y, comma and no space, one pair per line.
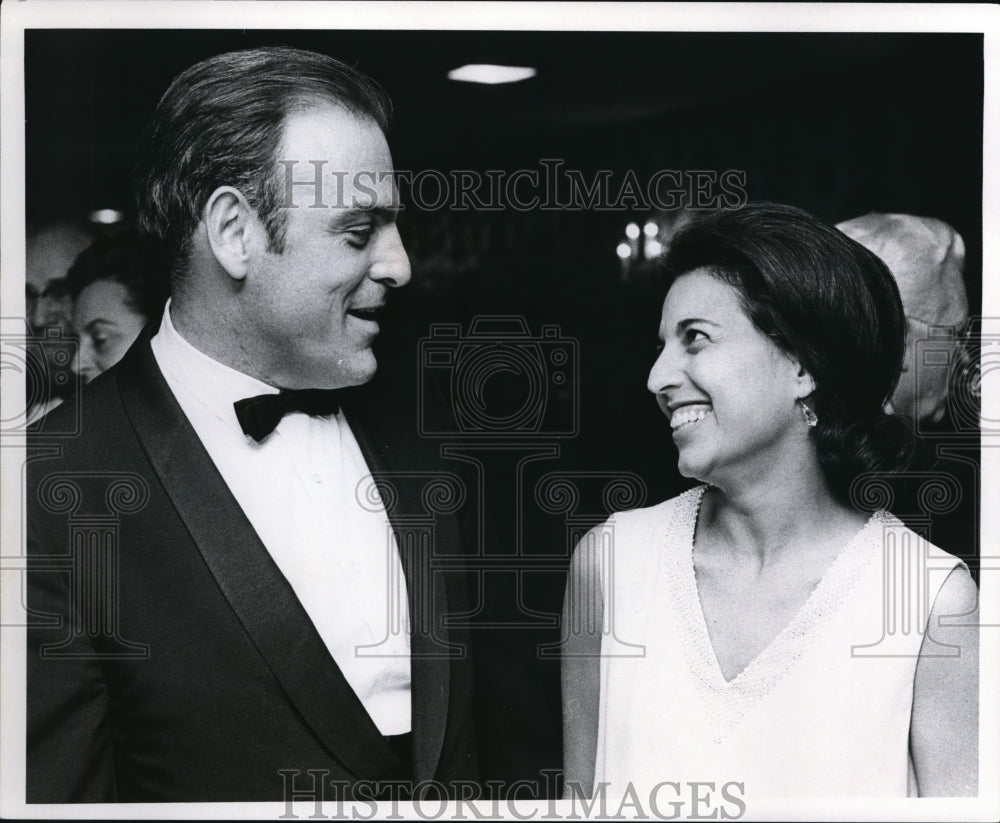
688,415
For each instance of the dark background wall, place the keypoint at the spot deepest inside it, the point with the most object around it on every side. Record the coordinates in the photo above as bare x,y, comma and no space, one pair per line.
836,123
839,124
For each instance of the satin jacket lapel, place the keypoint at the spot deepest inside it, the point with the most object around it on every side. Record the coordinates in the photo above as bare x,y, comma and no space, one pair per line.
430,668
256,590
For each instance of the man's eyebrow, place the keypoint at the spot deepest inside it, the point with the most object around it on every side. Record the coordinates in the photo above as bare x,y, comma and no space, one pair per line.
381,214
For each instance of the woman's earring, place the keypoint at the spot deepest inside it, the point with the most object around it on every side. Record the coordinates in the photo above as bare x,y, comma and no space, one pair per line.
808,415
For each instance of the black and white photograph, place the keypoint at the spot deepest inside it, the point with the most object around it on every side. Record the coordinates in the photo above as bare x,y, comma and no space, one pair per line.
499,411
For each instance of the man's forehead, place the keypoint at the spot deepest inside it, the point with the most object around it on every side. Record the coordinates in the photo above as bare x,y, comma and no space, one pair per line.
332,130
332,156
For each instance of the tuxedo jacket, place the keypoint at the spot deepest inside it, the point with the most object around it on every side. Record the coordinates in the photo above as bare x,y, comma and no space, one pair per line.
168,657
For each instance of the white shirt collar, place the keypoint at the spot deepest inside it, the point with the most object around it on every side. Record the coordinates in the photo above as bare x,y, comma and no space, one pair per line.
213,384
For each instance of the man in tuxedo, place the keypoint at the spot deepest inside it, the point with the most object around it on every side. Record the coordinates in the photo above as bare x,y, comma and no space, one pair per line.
224,605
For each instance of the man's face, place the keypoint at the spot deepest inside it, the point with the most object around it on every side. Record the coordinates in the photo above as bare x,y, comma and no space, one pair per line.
312,310
49,254
48,304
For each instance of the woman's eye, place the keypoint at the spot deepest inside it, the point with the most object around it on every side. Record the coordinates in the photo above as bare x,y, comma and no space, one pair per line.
693,337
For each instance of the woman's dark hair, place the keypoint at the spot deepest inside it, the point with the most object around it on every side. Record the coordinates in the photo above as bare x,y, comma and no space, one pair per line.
220,123
830,303
137,263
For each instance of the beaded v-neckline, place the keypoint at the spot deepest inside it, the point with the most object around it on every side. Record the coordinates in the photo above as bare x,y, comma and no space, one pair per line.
728,700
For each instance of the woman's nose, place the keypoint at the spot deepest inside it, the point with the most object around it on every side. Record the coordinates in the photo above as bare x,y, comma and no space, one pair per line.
83,362
665,373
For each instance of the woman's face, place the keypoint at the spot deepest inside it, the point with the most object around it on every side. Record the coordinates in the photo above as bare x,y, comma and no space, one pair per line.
729,392
106,325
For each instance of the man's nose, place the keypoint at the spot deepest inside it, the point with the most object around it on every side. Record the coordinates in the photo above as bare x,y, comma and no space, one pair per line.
392,264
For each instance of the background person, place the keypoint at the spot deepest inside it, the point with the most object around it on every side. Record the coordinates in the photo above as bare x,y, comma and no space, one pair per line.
939,385
927,258
49,251
758,597
119,284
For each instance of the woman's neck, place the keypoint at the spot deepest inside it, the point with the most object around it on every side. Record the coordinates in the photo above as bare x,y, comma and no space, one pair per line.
765,513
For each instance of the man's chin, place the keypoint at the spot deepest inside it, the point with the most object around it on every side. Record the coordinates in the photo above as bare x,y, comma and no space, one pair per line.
344,372
326,370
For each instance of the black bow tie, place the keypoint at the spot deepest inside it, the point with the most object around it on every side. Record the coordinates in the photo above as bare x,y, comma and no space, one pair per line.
260,415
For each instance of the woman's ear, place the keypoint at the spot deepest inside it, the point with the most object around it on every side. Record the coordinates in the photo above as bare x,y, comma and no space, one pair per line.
229,226
805,383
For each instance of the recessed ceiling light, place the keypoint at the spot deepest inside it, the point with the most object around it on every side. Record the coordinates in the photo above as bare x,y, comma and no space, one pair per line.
487,73
106,217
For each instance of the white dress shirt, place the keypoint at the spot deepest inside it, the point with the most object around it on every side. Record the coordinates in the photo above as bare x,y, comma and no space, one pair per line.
300,489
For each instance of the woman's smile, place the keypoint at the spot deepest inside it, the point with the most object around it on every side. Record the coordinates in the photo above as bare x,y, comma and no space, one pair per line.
687,417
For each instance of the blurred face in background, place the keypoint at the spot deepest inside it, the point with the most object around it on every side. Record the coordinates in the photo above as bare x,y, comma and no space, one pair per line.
48,304
49,253
106,323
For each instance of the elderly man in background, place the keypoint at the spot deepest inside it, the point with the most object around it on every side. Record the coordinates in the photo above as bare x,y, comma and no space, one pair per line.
927,258
938,388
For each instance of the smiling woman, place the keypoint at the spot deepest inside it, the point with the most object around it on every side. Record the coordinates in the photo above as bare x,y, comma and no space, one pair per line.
757,600
724,423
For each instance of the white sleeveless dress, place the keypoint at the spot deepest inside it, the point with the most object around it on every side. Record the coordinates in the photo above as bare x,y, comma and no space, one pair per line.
824,711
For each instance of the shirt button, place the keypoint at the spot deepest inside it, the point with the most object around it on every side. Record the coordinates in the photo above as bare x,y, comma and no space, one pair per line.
318,477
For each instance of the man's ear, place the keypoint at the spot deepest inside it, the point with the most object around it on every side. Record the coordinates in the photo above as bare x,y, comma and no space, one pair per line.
230,225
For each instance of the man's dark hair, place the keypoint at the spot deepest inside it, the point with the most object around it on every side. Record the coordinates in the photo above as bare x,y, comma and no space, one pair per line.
220,123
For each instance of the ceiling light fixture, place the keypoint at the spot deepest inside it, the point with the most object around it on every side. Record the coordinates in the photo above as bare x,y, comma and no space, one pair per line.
491,74
106,217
